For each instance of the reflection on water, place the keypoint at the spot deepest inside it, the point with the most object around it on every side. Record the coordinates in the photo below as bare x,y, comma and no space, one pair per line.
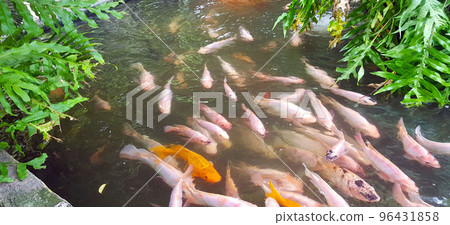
186,26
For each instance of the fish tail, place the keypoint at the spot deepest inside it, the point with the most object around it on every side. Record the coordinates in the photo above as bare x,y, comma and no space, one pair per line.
418,131
131,152
275,195
128,130
360,140
168,129
401,127
308,173
137,66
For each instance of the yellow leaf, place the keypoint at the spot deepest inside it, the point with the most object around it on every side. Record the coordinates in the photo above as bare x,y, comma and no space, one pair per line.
101,188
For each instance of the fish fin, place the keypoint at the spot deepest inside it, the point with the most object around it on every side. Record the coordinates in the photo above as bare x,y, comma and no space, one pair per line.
131,152
418,131
308,173
360,140
266,95
401,127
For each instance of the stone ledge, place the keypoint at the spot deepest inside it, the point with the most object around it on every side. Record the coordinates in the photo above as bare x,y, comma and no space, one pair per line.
31,192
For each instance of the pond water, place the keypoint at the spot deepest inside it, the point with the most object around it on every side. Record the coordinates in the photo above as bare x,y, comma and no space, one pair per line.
183,26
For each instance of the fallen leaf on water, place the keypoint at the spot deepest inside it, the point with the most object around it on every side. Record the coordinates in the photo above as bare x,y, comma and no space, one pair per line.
101,188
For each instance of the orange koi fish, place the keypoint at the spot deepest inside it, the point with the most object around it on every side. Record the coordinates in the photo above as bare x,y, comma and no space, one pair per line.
282,201
202,167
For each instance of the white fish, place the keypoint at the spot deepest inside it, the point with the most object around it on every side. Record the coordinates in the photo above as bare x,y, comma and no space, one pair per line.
333,198
386,169
213,128
216,46
211,148
414,150
280,179
230,187
146,79
432,146
228,91
206,80
245,34
228,69
165,99
354,96
253,121
287,111
303,200
320,76
338,150
215,117
188,134
176,197
270,202
352,117
215,200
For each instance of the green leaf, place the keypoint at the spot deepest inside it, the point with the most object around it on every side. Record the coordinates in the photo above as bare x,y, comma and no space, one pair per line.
68,104
37,162
4,178
3,145
22,171
7,26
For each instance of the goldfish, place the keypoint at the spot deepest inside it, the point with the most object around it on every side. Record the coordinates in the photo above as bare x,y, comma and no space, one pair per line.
413,150
141,139
147,80
98,155
228,91
230,187
283,180
245,34
272,45
290,80
320,76
188,133
287,111
243,57
386,169
206,80
216,46
211,148
255,124
432,146
215,200
101,104
202,167
353,96
270,202
346,181
333,199
165,99
353,118
282,201
215,117
295,40
301,199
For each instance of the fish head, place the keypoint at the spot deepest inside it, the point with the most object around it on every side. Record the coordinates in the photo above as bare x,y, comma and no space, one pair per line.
225,125
211,175
429,161
369,101
363,191
205,141
331,155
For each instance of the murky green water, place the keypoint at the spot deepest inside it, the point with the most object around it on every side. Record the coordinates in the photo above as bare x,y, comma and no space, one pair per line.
71,174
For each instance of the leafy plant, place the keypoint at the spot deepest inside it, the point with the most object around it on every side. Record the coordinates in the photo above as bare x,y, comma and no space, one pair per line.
408,40
21,168
36,66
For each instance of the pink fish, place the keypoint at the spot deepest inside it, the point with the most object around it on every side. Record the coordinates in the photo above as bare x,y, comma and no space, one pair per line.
245,34
216,46
338,149
206,80
188,134
253,121
386,169
146,79
290,80
165,100
213,128
353,96
215,117
414,150
432,146
228,91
